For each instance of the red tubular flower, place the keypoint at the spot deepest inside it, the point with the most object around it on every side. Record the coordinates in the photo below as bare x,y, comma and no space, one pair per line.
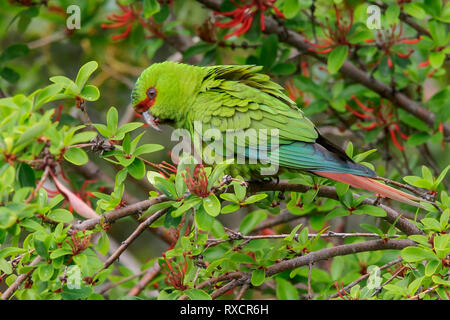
382,117
198,183
333,36
127,19
387,39
175,272
243,16
424,64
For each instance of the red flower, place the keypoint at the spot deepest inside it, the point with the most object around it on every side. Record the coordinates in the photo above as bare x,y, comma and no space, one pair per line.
127,19
382,117
243,15
386,40
295,93
197,184
175,272
333,36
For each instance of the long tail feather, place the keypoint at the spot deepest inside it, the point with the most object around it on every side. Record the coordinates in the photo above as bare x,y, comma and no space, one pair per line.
373,186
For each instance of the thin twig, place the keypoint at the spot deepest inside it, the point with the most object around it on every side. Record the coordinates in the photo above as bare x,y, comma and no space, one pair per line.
40,184
365,276
142,284
132,237
20,279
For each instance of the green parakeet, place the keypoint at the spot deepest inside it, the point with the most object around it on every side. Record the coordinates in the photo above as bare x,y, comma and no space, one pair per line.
234,97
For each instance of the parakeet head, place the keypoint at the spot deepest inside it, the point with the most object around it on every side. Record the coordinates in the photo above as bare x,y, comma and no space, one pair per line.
164,90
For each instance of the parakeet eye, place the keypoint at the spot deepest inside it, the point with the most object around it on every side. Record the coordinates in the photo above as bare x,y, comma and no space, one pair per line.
151,93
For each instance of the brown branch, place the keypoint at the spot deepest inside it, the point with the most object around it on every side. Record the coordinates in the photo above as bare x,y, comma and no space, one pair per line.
40,184
132,237
330,234
114,215
20,279
348,69
242,291
365,276
402,223
149,276
111,285
417,296
324,254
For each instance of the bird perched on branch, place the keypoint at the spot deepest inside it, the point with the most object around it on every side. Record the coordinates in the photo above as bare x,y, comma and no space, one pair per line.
232,98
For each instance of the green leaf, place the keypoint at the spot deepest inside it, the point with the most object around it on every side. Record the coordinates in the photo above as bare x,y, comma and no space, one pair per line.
41,246
25,175
127,127
67,84
291,8
418,138
283,68
370,210
442,175
212,205
103,243
14,51
242,258
229,197
147,148
32,132
199,47
431,267
7,218
5,266
76,155
76,294
85,72
255,198
229,208
90,93
112,118
433,7
204,221
9,75
269,51
137,169
438,32
150,8
391,14
187,205
285,290
197,294
59,253
415,10
371,228
45,272
415,254
338,212
60,215
337,58
251,220
258,277
436,59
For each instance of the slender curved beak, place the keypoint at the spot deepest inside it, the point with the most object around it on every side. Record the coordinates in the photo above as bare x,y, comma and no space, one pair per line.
151,120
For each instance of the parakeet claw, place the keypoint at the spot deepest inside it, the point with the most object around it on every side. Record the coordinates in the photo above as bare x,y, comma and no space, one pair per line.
151,120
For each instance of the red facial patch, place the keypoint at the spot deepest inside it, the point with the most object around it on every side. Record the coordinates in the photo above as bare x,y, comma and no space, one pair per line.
148,102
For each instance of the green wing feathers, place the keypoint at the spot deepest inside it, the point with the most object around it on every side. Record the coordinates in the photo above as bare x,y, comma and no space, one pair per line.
237,97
